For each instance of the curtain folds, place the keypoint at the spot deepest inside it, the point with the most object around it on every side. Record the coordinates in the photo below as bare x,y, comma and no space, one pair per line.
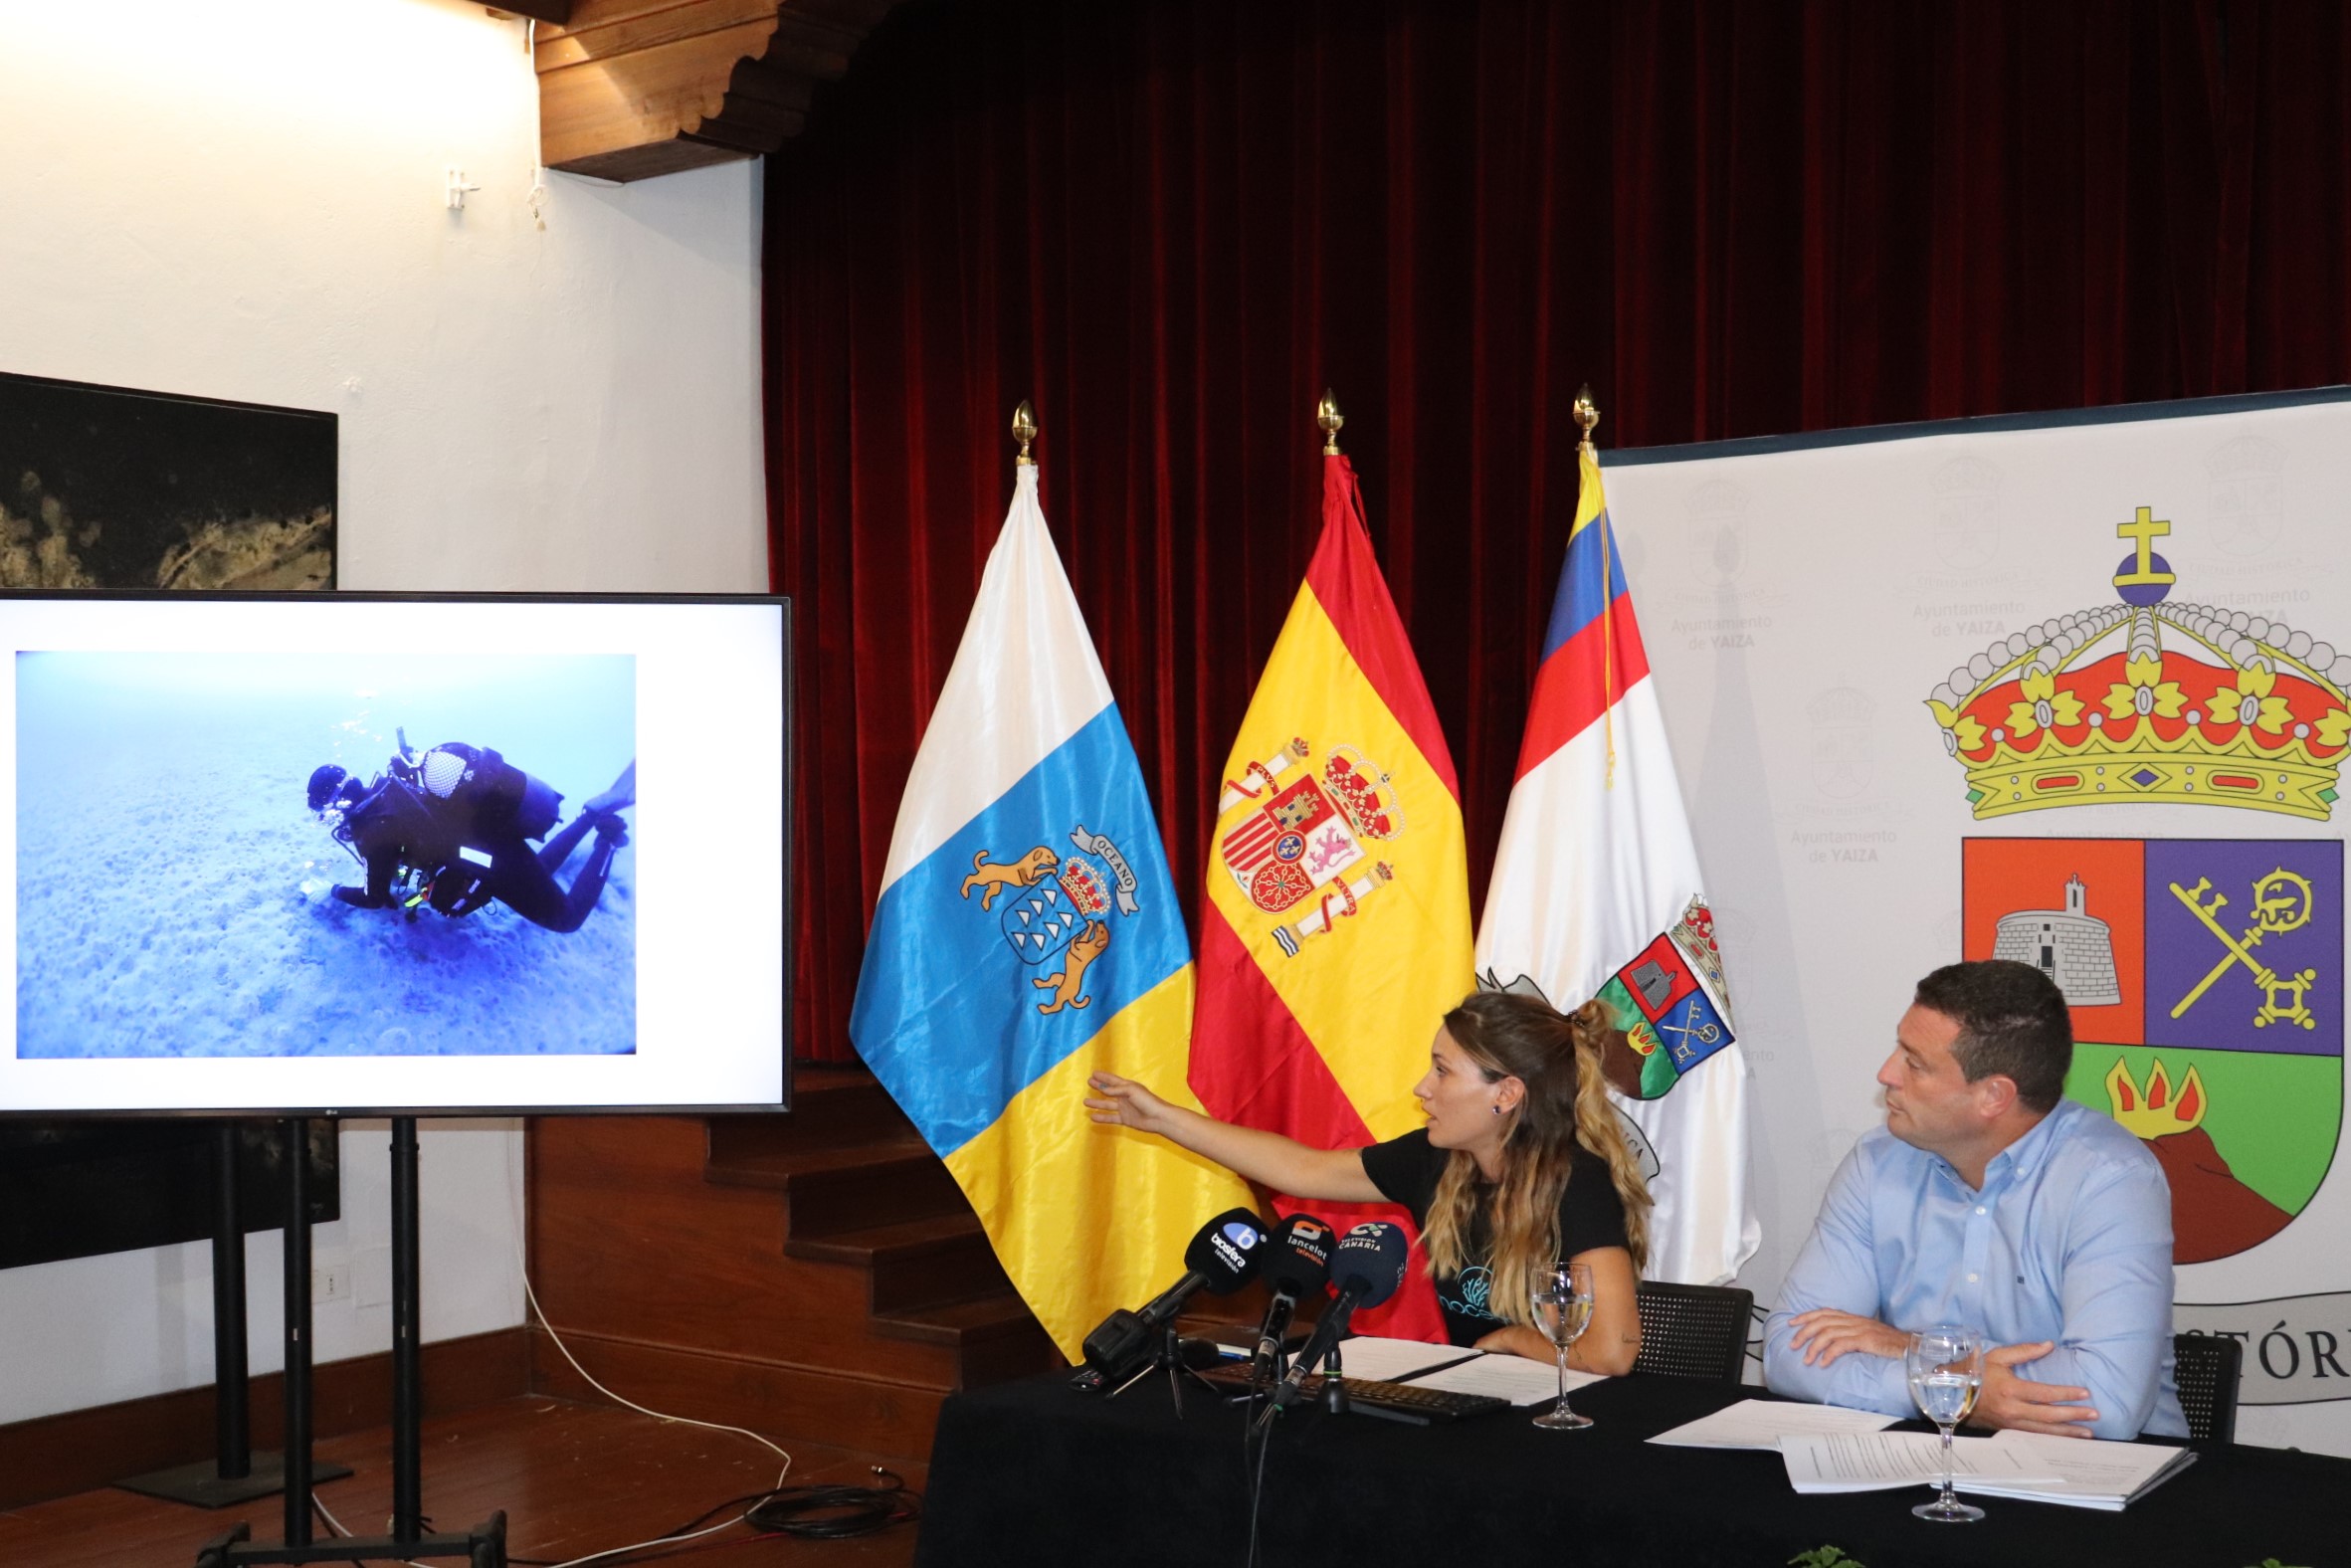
1171,223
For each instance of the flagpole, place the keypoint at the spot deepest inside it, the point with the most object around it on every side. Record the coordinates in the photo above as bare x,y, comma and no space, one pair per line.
1329,419
1024,430
1587,415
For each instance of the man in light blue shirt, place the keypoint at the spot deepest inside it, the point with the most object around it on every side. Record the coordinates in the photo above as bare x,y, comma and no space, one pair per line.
1987,1199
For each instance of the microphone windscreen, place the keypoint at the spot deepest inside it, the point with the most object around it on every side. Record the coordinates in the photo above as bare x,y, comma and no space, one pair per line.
1298,1261
1369,1261
1228,1252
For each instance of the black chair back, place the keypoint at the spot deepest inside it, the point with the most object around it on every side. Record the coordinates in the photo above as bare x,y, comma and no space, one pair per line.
2207,1367
1695,1330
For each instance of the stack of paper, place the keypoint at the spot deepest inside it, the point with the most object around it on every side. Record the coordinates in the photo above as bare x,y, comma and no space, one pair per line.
1762,1423
1463,1371
2077,1472
2088,1474
1513,1378
1875,1460
1394,1361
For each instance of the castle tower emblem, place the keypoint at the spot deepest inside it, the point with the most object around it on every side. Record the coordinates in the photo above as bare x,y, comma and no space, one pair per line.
2145,699
2071,947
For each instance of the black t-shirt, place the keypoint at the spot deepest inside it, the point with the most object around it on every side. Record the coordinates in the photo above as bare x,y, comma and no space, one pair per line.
1406,1171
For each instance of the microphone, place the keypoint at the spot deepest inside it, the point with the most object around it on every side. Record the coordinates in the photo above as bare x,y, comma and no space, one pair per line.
1298,1264
1224,1255
1367,1266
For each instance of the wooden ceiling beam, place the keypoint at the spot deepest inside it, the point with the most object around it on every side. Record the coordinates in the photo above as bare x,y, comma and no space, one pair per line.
632,89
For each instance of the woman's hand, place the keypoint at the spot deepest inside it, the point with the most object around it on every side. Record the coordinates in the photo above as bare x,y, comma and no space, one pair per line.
1126,1103
1266,1158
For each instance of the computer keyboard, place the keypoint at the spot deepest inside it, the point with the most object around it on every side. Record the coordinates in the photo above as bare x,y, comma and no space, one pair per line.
1406,1402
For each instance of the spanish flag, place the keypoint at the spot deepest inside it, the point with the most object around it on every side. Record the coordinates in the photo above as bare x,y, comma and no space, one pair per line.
1335,933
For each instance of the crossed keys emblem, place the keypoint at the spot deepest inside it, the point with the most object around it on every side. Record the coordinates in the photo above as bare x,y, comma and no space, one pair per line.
1697,1028
2281,903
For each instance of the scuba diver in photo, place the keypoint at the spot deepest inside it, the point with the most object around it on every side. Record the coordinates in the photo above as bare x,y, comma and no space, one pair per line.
451,827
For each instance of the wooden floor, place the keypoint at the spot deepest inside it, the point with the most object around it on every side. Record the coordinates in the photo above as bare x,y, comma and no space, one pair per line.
572,1480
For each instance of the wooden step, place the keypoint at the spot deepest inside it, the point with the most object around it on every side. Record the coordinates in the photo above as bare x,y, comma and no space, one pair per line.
996,1338
830,1191
832,1108
915,1264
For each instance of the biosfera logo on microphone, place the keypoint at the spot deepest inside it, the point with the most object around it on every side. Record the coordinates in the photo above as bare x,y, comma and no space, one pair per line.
1234,1242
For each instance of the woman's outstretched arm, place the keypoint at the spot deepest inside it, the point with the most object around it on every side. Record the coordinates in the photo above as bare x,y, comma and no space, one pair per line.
1266,1158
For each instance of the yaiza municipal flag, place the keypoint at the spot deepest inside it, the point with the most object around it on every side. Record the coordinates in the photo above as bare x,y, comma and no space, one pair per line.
1596,893
1026,935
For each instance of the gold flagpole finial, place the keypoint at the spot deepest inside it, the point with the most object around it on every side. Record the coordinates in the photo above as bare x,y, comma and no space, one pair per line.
1329,419
1024,430
1587,415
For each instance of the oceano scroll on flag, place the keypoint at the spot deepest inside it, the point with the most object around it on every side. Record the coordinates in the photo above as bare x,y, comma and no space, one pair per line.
1028,935
1596,893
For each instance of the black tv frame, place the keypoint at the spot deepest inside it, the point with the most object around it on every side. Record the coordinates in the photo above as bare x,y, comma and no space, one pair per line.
781,602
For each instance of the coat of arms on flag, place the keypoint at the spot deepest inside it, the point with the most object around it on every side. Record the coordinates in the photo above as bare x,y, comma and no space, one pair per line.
1059,908
1305,832
1670,1004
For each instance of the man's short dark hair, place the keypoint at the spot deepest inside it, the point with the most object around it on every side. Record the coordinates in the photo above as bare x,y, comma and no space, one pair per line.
2012,1021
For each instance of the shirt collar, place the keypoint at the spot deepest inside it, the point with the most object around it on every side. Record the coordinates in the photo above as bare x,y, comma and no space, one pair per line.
2030,1152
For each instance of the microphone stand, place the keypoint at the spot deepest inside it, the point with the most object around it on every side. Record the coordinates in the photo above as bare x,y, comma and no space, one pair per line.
1334,1383
1170,1355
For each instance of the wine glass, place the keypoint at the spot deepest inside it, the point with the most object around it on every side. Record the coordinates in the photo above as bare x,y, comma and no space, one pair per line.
1562,1311
1946,1367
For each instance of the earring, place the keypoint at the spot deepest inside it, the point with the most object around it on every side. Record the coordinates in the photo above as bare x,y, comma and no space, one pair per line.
1497,1109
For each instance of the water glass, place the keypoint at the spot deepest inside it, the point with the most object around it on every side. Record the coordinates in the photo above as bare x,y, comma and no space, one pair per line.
1946,1368
1562,1311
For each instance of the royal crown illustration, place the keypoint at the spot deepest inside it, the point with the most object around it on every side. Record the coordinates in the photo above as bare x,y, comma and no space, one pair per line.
2144,699
1360,791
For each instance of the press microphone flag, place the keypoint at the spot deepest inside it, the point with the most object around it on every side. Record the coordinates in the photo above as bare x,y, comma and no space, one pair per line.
1367,1265
1225,1255
1297,1266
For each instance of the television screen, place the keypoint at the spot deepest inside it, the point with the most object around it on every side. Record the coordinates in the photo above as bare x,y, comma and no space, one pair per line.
351,854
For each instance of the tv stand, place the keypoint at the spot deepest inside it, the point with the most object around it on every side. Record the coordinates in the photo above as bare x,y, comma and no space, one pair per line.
237,1472
485,1546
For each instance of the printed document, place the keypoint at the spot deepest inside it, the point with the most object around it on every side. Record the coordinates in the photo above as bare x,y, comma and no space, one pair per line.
1394,1361
1762,1423
1514,1378
1876,1460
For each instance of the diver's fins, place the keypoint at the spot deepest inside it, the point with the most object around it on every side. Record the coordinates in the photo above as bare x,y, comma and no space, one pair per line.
622,793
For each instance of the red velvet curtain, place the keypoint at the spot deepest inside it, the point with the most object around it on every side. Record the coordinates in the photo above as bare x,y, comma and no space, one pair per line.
1171,223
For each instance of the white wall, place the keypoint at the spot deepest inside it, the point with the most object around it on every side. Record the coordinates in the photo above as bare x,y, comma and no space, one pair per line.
245,200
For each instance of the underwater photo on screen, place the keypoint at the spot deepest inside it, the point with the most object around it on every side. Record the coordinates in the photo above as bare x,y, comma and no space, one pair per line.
325,854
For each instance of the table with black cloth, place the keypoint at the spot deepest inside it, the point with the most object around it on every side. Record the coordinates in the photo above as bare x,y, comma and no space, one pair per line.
1035,1473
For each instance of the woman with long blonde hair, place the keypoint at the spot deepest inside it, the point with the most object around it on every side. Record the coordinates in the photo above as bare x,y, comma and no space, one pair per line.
1521,1165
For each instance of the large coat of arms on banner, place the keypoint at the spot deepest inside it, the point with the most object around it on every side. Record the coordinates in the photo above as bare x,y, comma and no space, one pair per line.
2204,976
1308,840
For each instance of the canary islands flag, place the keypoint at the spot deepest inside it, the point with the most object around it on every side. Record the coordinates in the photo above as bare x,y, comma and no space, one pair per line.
1596,893
1335,934
1026,935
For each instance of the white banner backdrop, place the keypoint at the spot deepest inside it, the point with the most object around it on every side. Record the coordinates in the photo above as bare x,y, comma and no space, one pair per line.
1933,698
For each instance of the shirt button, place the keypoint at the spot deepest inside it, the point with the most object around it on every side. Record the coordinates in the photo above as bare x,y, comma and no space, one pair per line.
1971,1279
1979,1210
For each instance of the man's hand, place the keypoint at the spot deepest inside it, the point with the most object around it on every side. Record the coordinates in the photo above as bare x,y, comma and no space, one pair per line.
1824,1333
2022,1405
